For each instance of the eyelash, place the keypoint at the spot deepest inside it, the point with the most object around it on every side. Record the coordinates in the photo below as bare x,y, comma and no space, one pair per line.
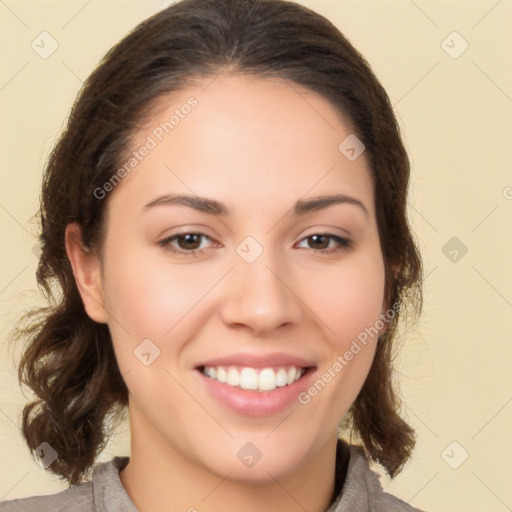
343,243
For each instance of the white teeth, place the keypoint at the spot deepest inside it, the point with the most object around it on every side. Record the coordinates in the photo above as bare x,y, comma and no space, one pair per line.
266,380
221,375
248,379
233,378
290,377
281,378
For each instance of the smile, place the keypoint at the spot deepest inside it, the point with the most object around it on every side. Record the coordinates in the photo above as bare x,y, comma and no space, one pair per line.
256,379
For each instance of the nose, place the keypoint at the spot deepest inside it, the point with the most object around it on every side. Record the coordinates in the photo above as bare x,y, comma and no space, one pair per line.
261,296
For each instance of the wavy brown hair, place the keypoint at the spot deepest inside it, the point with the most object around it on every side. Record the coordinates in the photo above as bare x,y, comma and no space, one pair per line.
69,362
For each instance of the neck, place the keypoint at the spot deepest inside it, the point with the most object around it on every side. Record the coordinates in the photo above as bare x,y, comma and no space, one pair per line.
159,478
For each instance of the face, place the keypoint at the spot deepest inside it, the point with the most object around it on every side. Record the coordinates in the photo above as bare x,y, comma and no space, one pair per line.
247,284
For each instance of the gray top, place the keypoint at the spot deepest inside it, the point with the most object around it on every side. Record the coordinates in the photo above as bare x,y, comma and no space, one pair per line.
361,492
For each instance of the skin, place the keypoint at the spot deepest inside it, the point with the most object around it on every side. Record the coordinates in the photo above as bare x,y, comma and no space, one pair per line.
257,145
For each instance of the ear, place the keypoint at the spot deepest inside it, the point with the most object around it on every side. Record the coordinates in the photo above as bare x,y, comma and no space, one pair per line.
86,267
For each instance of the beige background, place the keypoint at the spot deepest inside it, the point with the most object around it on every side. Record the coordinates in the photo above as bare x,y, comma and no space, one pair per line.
456,116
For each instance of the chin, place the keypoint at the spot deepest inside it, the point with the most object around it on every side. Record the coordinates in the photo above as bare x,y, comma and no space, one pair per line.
253,459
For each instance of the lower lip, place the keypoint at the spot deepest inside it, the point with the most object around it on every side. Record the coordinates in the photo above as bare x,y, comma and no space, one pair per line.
256,403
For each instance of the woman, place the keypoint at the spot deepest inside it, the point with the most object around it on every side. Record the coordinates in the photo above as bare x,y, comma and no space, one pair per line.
225,214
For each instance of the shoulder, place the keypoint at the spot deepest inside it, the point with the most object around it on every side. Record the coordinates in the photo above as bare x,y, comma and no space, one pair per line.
79,496
90,496
362,490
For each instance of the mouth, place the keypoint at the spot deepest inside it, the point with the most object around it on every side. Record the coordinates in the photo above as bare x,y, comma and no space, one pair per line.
255,379
255,386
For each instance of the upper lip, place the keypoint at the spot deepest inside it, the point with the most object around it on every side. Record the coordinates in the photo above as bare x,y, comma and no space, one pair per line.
278,359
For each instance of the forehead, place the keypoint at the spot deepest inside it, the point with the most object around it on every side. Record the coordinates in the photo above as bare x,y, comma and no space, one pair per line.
244,139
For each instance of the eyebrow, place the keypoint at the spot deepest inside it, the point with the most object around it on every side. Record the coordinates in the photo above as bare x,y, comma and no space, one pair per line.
213,207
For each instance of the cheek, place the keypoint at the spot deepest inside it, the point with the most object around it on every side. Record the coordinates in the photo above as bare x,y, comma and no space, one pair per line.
348,300
149,295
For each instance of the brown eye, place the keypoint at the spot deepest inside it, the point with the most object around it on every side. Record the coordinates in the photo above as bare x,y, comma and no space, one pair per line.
187,244
321,242
189,241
